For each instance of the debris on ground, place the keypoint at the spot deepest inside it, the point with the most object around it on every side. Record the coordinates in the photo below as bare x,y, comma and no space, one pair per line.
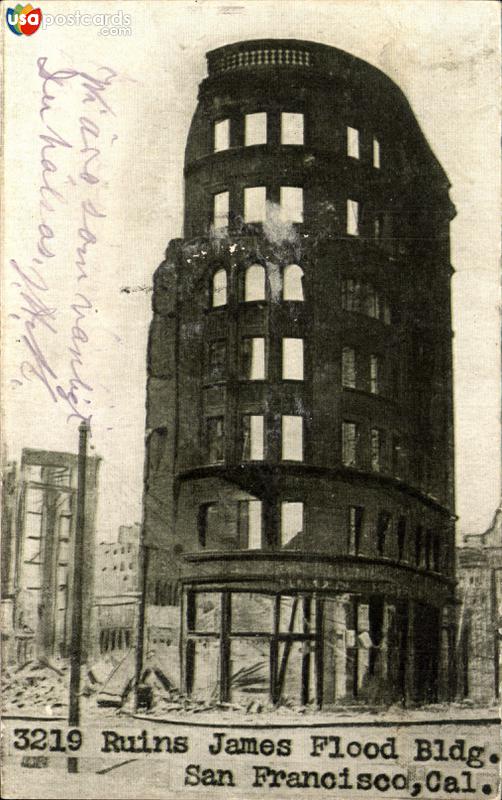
35,685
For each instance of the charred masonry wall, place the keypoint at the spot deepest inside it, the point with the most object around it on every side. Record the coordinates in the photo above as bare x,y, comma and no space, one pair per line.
299,408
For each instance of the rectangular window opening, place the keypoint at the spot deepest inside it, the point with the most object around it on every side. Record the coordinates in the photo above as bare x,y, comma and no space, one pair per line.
291,204
206,523
221,210
292,438
377,449
292,359
291,128
291,522
376,154
352,142
384,519
349,444
252,437
255,204
374,374
352,217
249,522
215,427
355,529
253,359
348,368
255,129
221,135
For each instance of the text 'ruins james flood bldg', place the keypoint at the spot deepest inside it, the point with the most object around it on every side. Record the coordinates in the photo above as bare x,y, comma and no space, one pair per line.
299,492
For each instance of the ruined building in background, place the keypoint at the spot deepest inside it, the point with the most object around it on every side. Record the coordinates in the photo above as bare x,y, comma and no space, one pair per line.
37,554
299,491
479,572
116,591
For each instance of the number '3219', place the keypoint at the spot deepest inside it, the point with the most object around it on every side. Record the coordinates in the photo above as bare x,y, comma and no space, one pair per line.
54,740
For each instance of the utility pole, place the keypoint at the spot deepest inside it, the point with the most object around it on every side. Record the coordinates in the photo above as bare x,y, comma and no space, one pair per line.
144,554
78,560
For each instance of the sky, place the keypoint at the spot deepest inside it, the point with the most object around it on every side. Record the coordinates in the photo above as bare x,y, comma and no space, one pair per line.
97,200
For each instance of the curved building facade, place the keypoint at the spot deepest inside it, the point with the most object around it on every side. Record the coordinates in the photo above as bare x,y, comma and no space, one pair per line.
299,500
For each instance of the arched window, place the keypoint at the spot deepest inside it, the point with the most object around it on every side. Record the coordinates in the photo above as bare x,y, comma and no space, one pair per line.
292,283
254,283
219,288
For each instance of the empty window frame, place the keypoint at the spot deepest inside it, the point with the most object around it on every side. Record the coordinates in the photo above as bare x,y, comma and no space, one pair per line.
291,522
255,128
350,435
216,360
351,295
376,154
249,524
291,204
378,222
352,142
221,204
383,528
371,302
377,444
219,293
401,538
254,283
206,523
255,204
292,285
253,358
292,437
352,217
292,359
291,128
355,521
375,374
221,135
252,437
215,439
396,457
348,368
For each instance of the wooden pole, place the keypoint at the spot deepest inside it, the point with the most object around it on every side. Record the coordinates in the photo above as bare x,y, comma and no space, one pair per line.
144,555
78,560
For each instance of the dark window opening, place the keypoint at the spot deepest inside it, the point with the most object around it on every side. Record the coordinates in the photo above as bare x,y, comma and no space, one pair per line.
383,526
401,538
355,529
215,428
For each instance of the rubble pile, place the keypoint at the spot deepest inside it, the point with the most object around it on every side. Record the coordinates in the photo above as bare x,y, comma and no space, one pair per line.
35,685
173,701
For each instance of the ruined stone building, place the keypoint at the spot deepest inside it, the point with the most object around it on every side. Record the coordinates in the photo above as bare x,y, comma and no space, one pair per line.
479,573
117,591
299,502
37,553
117,562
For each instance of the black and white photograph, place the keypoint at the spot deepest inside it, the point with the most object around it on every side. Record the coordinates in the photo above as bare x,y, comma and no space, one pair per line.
251,514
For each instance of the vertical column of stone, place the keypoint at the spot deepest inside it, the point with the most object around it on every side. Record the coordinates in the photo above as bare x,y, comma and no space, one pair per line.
409,678
329,650
383,661
445,677
362,638
340,629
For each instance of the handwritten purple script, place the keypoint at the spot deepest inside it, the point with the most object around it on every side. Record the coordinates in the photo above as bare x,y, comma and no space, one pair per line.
69,195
